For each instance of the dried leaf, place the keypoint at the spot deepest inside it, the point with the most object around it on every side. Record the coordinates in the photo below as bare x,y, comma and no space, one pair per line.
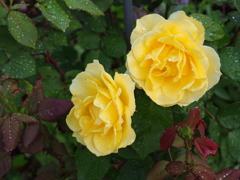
51,109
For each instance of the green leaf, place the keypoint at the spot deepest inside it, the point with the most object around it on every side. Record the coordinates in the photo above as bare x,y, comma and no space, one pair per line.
230,62
88,39
135,169
3,57
56,38
233,144
53,12
85,5
114,46
48,71
149,121
229,117
18,6
21,65
213,31
128,153
96,23
90,167
3,12
103,59
22,28
52,87
237,4
103,5
74,23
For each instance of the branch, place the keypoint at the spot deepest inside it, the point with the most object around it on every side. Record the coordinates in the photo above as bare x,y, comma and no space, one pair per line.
4,5
128,16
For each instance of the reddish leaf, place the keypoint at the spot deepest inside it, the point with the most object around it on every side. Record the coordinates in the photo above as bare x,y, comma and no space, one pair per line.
178,142
194,159
205,146
30,133
35,146
23,118
194,117
70,164
158,171
59,147
15,91
51,109
35,97
176,168
201,127
191,177
168,138
8,86
5,163
203,172
5,77
10,133
119,165
47,176
228,174
62,126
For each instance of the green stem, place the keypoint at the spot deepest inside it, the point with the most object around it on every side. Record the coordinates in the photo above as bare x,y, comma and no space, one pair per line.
186,142
4,5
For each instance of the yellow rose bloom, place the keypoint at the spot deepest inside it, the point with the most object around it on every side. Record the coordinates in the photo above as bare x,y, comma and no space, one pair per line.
169,61
101,116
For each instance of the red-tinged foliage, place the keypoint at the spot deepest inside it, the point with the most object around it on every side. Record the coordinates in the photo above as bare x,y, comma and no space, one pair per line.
203,172
18,90
178,142
228,174
205,146
23,118
35,97
36,146
158,171
59,147
47,176
30,133
191,178
201,127
4,77
168,138
10,130
8,86
47,168
194,117
70,164
194,159
5,163
176,168
118,166
51,109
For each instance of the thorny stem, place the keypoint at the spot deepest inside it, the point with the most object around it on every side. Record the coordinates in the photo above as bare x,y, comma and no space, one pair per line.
53,61
170,155
4,5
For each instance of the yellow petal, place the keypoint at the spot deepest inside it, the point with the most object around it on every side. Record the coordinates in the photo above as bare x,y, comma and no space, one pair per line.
127,86
88,140
213,72
145,24
78,137
72,121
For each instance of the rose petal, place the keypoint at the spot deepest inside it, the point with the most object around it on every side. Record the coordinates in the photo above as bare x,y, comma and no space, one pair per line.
72,121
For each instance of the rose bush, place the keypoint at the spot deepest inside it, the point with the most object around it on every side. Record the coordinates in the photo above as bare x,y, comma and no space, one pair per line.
169,61
101,116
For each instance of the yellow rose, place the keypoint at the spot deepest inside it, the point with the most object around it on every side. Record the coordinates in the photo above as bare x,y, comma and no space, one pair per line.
169,61
101,116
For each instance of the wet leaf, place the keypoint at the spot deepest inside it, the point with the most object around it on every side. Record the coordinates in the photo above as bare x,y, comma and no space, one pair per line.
103,5
89,166
3,57
158,171
21,65
30,133
18,6
233,144
51,109
22,28
23,118
88,39
8,86
205,146
56,38
114,46
176,168
85,5
5,163
53,12
10,133
228,174
2,108
230,62
213,31
204,172
237,4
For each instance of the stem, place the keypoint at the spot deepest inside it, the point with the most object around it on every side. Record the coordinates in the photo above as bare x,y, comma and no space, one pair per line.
4,5
170,155
187,151
128,20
